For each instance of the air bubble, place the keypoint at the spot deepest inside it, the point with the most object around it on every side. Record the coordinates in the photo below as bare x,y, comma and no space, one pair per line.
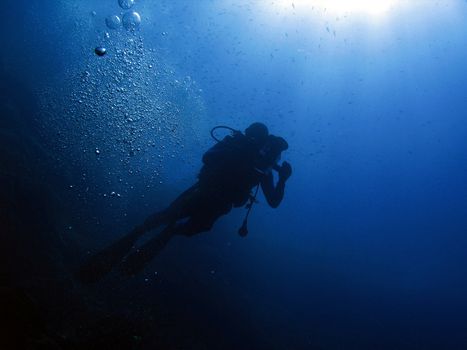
131,20
126,4
113,22
100,51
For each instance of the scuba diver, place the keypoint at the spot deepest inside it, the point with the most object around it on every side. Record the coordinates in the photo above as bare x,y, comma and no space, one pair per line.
233,168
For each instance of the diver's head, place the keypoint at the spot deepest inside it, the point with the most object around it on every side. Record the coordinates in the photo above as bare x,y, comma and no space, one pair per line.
258,132
277,145
271,152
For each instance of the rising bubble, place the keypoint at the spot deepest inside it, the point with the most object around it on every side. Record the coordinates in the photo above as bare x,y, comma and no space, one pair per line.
100,51
126,4
113,22
131,20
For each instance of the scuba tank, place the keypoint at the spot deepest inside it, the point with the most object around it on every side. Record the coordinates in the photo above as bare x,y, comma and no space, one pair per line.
243,230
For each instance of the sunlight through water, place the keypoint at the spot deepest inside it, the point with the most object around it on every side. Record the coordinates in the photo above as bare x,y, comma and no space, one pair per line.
370,7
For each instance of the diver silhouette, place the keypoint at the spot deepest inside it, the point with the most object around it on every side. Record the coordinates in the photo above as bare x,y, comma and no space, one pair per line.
233,168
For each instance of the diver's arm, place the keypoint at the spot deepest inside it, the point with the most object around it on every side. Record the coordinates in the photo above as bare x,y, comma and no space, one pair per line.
275,194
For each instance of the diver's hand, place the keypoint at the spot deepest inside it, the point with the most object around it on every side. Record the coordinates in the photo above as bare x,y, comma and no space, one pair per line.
285,171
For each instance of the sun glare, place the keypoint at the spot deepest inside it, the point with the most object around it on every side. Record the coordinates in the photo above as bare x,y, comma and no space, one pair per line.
371,7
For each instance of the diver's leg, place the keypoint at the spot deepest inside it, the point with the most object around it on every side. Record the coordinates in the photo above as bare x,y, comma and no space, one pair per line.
102,263
178,209
192,227
136,261
98,265
203,219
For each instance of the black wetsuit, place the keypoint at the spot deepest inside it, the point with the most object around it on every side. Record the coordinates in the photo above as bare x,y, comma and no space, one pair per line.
231,169
226,179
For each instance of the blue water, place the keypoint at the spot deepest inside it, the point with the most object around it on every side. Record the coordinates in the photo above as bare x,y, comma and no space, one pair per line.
367,249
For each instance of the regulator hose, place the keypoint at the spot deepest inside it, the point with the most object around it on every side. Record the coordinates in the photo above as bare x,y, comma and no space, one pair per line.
222,127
